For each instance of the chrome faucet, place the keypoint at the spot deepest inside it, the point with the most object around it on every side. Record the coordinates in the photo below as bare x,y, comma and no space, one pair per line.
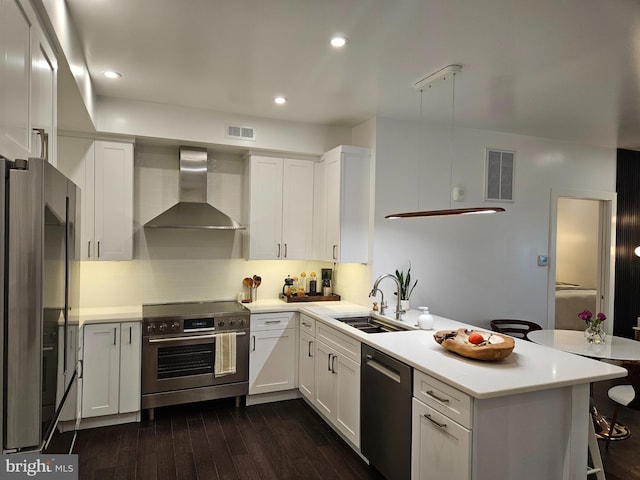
383,305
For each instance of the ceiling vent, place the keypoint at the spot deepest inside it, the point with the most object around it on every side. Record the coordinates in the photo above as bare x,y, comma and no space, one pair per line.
238,132
500,169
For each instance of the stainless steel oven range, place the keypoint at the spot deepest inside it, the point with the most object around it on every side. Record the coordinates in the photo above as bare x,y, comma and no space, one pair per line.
179,352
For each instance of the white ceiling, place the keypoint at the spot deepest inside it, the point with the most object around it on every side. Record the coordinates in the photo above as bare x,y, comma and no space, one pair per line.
553,68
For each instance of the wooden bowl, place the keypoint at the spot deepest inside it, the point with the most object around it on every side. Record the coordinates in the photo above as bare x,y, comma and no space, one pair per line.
494,347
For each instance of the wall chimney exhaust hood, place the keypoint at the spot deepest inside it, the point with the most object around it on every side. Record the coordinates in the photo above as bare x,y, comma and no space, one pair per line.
192,210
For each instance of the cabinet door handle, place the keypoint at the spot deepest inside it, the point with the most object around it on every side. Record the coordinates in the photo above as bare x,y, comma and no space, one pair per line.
334,252
89,249
114,335
437,424
285,250
333,364
130,335
253,339
98,249
310,343
329,362
440,399
44,145
278,255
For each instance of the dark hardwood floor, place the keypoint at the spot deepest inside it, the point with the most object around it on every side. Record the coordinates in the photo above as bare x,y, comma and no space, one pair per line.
622,459
215,440
285,440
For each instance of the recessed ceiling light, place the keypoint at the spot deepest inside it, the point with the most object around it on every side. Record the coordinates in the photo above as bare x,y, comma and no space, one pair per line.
280,100
339,41
112,74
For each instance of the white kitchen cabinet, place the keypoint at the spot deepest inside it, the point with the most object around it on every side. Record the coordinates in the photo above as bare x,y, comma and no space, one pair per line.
338,381
28,72
346,204
104,172
43,99
306,358
441,430
130,367
111,369
280,208
272,353
440,448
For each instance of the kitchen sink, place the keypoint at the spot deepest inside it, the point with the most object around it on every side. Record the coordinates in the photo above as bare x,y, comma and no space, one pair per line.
369,324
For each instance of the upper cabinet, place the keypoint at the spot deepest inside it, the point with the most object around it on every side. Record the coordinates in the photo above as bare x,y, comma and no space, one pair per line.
343,233
28,71
104,172
280,208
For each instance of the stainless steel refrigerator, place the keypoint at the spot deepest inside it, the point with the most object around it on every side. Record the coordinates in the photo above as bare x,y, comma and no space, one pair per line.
39,300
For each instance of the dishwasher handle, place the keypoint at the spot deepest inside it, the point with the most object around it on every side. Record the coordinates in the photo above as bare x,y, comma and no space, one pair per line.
383,369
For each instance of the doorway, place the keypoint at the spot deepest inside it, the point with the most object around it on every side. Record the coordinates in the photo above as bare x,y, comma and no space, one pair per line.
581,258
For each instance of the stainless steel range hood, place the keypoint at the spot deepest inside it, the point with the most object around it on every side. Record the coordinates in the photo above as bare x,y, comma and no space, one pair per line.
192,209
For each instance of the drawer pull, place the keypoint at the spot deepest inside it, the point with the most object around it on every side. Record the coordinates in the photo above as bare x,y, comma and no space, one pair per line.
440,399
306,324
272,321
437,424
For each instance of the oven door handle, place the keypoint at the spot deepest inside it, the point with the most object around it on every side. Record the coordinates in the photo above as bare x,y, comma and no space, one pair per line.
192,337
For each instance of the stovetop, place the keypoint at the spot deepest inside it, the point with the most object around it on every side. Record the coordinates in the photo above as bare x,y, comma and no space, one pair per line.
193,309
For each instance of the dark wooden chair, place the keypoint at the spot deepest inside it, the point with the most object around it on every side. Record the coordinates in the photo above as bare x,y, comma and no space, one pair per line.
515,328
625,395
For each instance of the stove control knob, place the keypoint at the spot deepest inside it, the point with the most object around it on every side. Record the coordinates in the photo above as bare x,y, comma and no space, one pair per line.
175,326
151,328
163,327
221,323
232,323
242,322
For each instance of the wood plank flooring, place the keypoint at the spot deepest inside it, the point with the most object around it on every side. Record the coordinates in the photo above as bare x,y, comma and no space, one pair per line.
285,440
216,441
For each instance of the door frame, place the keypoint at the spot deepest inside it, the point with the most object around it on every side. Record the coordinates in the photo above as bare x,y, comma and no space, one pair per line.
606,269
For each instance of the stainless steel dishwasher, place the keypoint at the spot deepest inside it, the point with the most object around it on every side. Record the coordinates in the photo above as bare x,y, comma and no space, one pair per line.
385,413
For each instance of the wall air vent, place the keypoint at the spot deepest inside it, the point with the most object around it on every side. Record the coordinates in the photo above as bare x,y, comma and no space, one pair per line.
238,132
500,175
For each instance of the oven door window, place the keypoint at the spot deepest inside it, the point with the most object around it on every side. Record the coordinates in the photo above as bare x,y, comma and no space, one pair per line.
185,360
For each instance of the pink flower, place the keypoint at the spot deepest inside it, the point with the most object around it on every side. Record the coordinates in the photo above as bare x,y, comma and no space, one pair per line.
585,315
601,316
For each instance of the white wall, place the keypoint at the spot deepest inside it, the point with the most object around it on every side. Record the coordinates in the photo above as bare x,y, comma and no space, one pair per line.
474,268
155,120
577,241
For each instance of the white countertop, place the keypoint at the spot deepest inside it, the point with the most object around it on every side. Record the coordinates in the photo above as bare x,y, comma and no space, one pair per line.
126,313
530,367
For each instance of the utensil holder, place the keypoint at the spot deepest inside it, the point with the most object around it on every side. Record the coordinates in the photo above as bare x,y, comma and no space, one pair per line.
253,291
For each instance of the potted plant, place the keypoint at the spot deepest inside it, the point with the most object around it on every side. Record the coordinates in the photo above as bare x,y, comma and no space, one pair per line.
406,287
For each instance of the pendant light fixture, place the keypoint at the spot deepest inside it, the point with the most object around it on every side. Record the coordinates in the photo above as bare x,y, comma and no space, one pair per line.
442,74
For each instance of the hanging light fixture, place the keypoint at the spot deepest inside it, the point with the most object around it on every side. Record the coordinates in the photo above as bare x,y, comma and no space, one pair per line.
421,85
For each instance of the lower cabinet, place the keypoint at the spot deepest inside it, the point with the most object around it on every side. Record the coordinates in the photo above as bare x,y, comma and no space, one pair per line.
272,353
337,376
307,365
111,369
440,445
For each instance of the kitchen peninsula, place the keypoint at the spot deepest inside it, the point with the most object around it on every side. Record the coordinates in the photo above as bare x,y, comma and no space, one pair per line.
524,417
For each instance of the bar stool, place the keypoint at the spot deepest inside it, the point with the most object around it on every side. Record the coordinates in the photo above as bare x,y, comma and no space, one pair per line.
626,396
515,328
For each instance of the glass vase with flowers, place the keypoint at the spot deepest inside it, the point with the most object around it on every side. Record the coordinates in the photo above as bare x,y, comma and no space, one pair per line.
594,332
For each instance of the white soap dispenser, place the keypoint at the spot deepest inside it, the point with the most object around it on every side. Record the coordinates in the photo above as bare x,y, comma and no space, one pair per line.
425,320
